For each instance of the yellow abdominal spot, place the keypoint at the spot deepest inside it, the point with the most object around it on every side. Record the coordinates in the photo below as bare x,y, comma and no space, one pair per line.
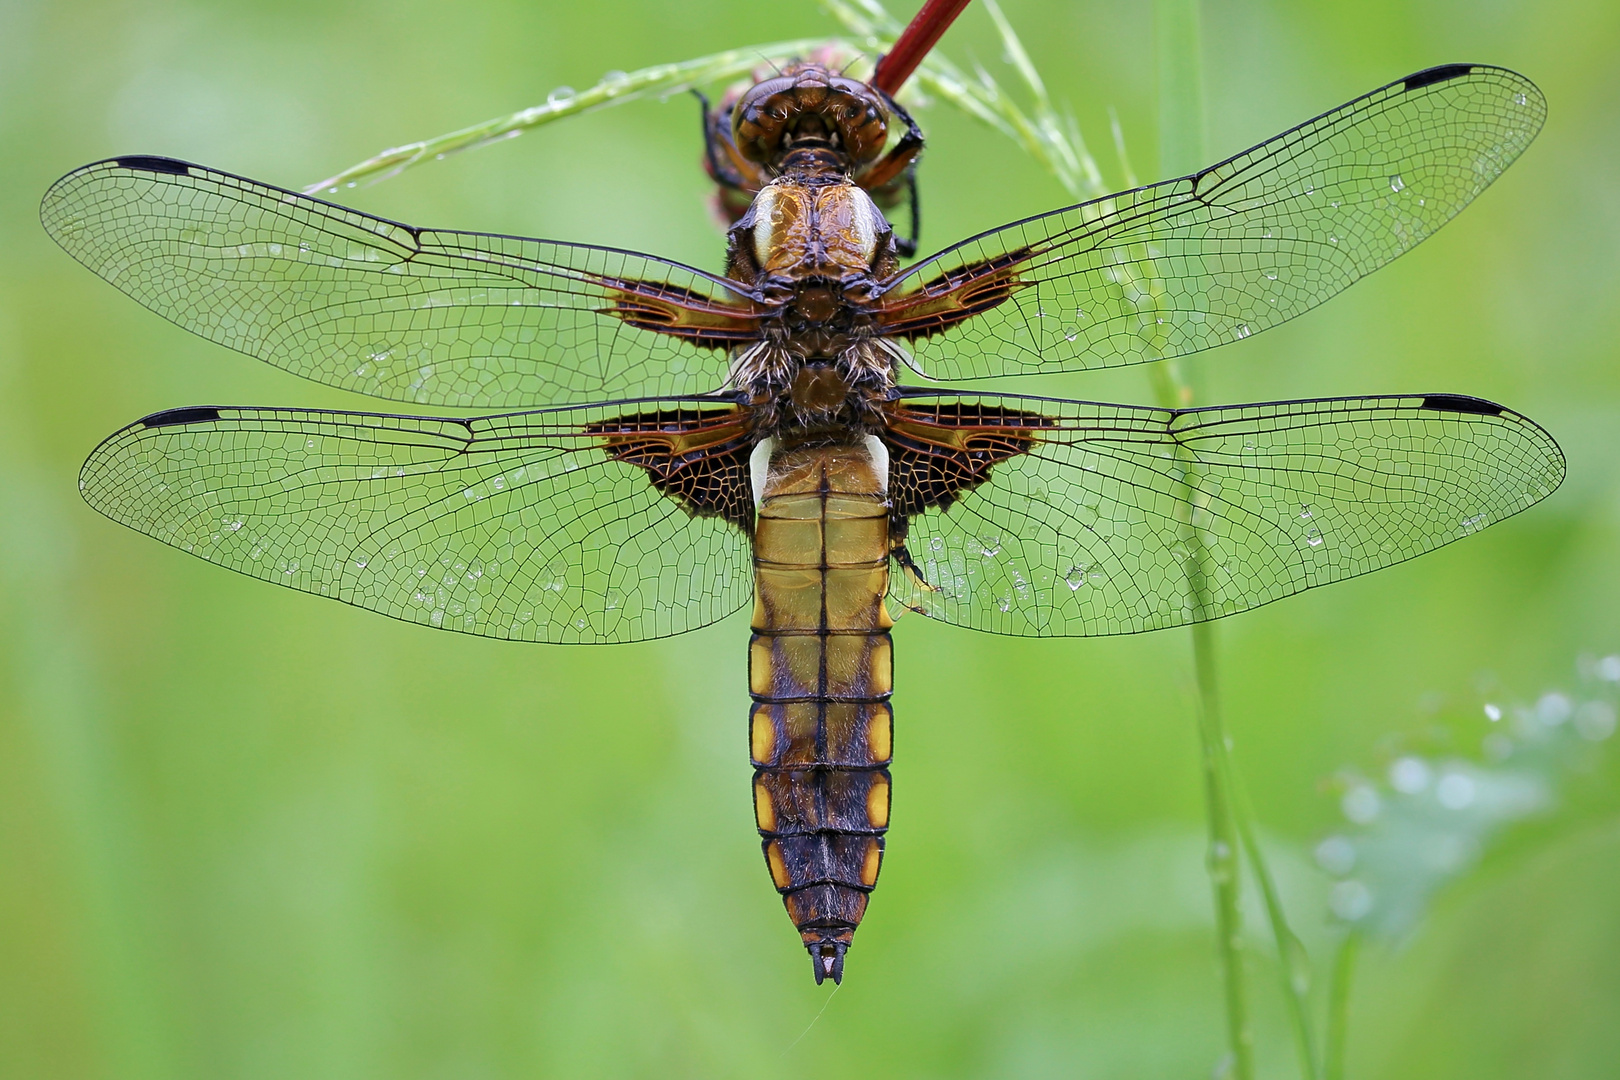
764,810
870,864
880,734
778,865
762,738
759,666
877,803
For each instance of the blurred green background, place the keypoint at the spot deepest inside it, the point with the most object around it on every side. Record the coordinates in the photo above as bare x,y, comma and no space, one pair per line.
249,833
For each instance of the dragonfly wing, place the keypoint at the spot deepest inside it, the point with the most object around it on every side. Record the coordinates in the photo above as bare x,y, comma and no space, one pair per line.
1063,518
536,526
1189,264
433,317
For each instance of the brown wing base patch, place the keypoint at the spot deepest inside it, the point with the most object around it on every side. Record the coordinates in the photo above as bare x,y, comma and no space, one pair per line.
699,458
684,313
937,452
942,302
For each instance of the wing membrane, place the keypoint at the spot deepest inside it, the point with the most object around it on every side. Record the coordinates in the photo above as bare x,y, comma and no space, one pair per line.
1189,264
421,315
1089,532
527,527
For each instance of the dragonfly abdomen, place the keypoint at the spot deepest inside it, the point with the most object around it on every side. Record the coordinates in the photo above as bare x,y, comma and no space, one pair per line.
820,673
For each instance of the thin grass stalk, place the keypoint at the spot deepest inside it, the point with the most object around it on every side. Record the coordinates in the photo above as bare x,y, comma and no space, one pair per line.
1338,1013
1052,141
1293,966
615,88
1178,49
1181,124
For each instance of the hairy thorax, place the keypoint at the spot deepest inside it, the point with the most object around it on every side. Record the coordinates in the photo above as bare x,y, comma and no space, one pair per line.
814,246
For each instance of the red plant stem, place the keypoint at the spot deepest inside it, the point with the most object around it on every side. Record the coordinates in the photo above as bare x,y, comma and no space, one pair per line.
920,35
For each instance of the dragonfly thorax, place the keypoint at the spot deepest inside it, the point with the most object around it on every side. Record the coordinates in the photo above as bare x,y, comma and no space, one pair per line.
811,225
814,247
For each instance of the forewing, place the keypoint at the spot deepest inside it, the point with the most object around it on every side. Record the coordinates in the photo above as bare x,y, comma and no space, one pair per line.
421,315
1193,263
1110,516
529,527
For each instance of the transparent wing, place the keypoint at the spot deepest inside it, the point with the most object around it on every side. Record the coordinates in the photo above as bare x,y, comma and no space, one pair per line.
1089,531
421,315
521,527
1193,263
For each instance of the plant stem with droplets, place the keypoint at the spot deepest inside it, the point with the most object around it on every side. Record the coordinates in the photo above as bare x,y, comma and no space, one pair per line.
1052,140
1178,51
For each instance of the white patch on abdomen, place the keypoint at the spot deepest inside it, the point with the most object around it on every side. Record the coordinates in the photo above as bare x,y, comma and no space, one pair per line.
879,454
759,467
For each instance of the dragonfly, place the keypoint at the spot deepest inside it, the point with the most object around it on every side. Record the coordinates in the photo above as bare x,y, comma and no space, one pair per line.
661,446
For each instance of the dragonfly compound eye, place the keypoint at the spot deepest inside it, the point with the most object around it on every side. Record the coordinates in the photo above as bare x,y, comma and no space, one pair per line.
860,118
809,106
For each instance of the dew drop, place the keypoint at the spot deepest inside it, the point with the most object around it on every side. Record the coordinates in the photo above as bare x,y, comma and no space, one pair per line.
1396,184
1243,330
558,98
1313,537
1409,775
1336,855
1553,709
1520,99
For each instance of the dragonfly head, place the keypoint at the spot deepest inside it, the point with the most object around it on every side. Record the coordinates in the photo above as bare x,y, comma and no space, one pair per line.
809,107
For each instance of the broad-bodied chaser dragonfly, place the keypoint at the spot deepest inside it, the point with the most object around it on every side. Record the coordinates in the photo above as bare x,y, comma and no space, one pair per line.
780,460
